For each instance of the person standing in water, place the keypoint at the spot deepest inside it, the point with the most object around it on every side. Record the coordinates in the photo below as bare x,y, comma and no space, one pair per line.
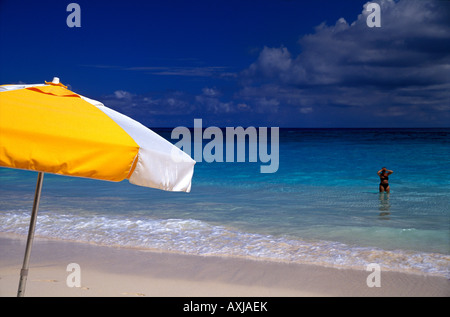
384,179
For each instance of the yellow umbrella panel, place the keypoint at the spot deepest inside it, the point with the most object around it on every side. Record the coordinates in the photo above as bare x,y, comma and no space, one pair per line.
51,129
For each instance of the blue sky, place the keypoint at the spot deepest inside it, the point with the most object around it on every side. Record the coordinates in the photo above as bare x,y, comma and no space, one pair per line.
240,63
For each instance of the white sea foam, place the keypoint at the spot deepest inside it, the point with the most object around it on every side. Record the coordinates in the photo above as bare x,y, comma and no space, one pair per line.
201,238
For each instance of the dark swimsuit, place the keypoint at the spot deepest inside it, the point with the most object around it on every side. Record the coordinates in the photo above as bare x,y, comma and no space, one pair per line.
382,178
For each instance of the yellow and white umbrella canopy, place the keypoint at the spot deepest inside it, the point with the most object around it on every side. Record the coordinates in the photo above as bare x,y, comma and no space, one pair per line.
48,128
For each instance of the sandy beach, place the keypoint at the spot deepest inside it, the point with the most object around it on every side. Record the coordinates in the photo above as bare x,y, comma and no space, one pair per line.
118,272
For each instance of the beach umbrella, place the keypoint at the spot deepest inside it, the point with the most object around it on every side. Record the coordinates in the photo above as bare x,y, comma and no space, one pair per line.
50,129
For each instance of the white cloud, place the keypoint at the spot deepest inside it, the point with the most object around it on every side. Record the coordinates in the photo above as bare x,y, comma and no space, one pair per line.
265,104
121,94
306,110
404,62
211,92
213,105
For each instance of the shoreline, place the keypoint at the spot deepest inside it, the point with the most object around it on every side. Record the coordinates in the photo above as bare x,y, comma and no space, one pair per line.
201,238
389,260
107,271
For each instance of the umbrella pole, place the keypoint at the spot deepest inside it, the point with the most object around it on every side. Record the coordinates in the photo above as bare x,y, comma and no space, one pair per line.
26,259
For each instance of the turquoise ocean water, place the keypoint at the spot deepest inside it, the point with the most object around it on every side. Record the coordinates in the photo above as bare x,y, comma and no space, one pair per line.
322,206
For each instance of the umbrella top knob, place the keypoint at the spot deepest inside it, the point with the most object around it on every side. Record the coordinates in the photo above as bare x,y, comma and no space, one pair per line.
55,82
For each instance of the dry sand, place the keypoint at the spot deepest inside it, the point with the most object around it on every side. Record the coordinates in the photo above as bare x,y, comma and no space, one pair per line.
111,272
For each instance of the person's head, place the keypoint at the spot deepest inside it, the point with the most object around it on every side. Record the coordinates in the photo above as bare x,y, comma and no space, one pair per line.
383,169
